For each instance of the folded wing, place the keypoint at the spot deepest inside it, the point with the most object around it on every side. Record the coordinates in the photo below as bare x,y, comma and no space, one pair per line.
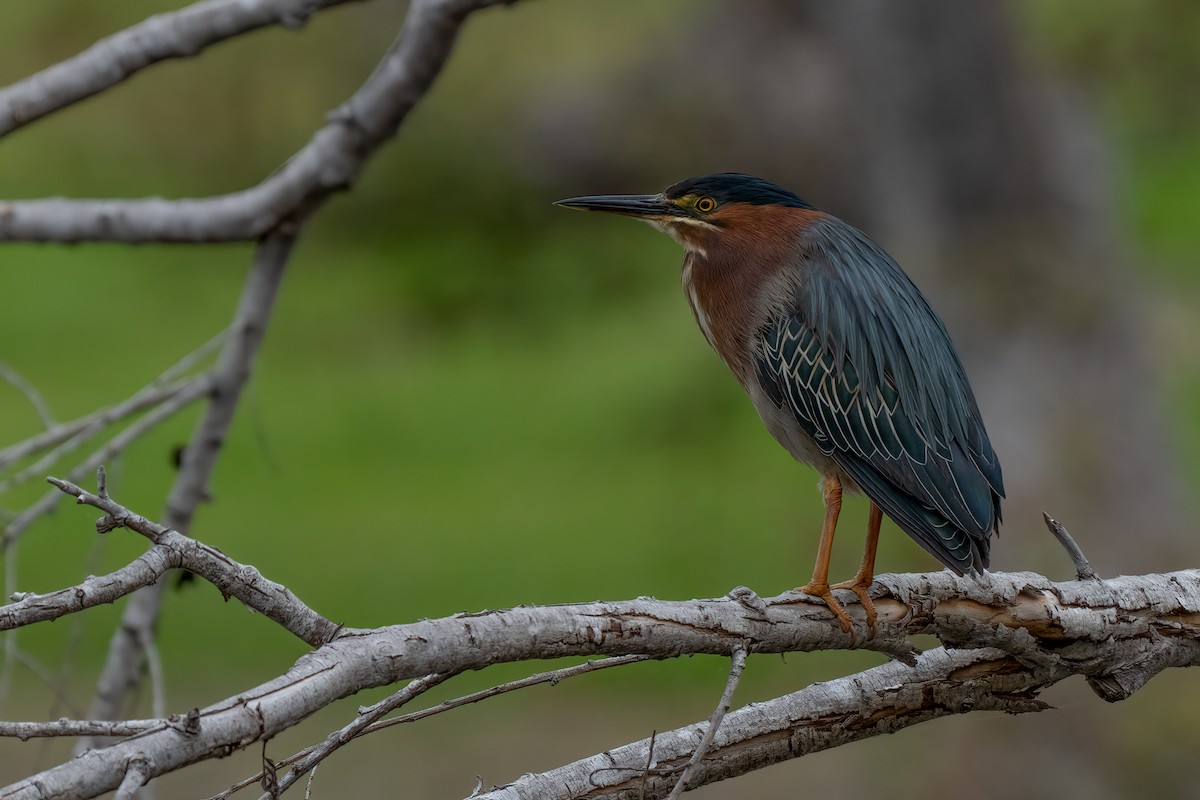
868,371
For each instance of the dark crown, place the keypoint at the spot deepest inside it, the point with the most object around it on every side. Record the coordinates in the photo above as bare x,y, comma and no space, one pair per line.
734,187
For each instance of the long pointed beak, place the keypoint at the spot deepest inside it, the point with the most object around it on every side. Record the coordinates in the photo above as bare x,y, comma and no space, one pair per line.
633,205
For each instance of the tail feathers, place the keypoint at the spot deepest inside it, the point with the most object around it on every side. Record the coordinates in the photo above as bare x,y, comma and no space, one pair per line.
962,551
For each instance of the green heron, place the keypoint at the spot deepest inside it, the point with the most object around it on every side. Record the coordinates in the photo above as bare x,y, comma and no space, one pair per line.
844,359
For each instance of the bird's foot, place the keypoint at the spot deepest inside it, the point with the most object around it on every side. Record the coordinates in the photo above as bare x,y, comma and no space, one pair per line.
825,592
860,588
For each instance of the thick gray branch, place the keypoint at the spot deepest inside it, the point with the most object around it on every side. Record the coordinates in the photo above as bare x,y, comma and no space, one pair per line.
1117,633
330,161
885,699
178,34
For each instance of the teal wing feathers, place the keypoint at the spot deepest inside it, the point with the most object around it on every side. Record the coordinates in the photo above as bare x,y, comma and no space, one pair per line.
868,371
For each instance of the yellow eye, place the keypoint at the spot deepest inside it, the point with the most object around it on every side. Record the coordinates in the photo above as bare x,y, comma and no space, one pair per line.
705,204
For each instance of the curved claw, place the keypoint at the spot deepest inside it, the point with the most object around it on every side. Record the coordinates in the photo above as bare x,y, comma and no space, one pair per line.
861,590
825,592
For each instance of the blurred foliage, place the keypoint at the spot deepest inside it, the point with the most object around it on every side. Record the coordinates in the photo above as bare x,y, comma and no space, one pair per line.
1141,67
468,398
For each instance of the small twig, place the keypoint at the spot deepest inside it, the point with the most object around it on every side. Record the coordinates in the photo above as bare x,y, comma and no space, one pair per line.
105,523
402,697
270,774
551,677
737,664
1083,569
101,483
273,600
153,393
67,438
78,727
649,765
312,774
185,364
29,608
365,717
18,382
195,389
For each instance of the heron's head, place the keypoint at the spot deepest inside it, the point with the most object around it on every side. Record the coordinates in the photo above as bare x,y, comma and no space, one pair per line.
698,211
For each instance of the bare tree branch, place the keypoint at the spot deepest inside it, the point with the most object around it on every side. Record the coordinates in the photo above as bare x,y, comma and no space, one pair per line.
1016,612
330,161
179,34
28,608
884,699
1031,632
75,727
242,581
1083,569
366,716
552,677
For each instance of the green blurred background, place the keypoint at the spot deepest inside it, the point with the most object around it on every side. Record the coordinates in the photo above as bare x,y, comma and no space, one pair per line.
470,399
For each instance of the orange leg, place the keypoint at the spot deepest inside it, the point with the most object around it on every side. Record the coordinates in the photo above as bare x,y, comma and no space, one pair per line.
831,489
866,571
